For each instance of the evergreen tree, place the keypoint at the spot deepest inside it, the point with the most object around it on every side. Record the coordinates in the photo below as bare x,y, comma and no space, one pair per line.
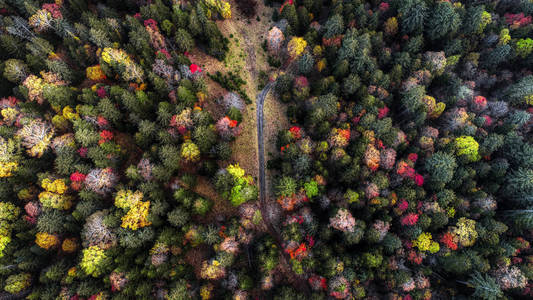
443,21
520,185
516,93
15,70
334,26
413,15
441,167
485,287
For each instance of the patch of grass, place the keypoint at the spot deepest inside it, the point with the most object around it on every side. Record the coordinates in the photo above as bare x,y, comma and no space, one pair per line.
274,62
232,82
262,80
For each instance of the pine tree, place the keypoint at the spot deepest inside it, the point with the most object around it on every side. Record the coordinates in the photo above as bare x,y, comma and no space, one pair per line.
522,219
517,92
485,287
520,185
289,13
205,138
412,99
303,17
443,21
441,167
472,20
413,15
286,186
15,70
183,40
306,63
351,84
334,26
498,55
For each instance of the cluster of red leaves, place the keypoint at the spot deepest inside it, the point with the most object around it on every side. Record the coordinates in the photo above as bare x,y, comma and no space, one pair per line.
82,151
194,68
53,9
77,177
232,123
382,112
298,253
488,120
288,2
288,203
296,132
301,82
101,92
403,205
77,180
221,232
164,52
334,41
345,133
414,257
283,148
383,6
447,240
318,282
406,171
409,219
151,23
517,20
105,136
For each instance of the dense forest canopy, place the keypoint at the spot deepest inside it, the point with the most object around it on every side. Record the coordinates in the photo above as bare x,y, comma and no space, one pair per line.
405,170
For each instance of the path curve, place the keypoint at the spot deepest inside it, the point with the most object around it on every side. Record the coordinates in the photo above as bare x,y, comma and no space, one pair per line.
299,280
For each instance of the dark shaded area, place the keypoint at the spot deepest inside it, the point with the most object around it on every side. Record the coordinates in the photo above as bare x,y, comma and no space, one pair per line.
247,7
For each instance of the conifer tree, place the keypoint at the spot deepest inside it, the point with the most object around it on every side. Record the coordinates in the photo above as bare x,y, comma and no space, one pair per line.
485,287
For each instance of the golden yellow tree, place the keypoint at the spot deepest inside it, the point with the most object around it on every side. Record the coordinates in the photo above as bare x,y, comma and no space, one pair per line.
222,7
296,46
391,26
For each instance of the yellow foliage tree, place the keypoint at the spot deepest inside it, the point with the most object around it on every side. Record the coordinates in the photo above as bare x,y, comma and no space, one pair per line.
8,163
391,26
296,46
190,152
46,240
321,65
137,216
53,196
222,7
225,10
126,199
95,73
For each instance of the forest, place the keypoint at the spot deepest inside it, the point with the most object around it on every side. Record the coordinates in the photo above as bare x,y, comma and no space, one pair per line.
133,163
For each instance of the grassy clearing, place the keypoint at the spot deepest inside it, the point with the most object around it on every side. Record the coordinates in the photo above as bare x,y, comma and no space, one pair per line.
247,59
275,114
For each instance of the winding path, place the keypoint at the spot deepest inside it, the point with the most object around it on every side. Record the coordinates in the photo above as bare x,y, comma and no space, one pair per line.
300,281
